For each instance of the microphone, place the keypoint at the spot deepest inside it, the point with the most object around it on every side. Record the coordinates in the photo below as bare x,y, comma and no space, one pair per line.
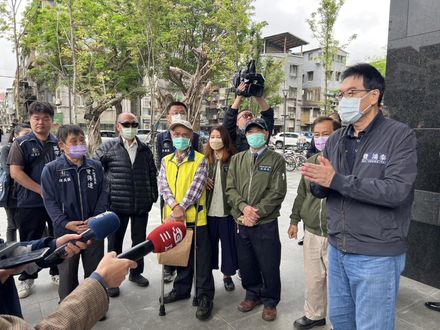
100,226
161,239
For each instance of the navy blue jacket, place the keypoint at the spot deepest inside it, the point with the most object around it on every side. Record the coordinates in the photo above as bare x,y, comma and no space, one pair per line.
31,149
73,193
369,207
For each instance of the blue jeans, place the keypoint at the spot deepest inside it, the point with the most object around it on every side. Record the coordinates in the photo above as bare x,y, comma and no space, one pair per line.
363,290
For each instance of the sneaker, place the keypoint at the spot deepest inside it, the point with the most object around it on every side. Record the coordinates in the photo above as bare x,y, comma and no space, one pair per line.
204,309
55,279
25,288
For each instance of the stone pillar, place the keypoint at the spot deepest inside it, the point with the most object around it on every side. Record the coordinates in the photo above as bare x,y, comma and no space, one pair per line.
413,96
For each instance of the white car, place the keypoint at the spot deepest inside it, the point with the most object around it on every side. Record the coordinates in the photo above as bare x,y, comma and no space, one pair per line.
290,138
144,135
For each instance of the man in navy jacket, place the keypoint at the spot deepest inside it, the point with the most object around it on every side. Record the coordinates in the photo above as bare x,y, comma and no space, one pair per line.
74,190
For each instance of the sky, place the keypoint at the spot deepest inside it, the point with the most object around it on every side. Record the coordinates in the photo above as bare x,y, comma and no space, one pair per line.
367,18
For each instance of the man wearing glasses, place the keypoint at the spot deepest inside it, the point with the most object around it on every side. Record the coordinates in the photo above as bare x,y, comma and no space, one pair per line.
367,173
236,121
131,173
27,158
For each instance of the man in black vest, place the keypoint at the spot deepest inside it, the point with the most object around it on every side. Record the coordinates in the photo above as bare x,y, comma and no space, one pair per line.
27,158
164,146
129,167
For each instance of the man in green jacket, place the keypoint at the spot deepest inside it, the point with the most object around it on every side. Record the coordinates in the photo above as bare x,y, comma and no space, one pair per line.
312,211
255,189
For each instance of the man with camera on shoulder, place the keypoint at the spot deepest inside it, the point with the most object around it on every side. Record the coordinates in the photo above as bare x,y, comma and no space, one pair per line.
248,83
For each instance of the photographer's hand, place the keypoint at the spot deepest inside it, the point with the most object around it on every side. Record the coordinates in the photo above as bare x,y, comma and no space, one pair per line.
236,105
262,103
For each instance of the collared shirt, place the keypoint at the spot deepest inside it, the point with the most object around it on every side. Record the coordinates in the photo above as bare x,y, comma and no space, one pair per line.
259,153
131,149
195,190
353,143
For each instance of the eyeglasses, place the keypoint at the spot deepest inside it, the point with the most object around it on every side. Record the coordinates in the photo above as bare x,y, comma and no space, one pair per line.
351,93
246,115
128,124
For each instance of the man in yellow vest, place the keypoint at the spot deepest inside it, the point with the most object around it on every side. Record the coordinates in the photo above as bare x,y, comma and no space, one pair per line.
182,180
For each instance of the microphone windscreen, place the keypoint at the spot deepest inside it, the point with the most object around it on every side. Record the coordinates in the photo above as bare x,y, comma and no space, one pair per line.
104,224
167,236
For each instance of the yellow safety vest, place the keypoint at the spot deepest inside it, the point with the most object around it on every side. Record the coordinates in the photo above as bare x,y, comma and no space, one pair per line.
179,178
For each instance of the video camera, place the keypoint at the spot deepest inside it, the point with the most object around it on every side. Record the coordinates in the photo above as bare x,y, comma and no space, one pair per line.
253,80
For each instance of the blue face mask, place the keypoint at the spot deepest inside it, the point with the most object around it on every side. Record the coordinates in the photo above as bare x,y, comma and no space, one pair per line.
256,140
349,109
181,143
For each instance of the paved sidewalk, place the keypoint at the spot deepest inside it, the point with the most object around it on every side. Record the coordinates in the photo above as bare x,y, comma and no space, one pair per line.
137,308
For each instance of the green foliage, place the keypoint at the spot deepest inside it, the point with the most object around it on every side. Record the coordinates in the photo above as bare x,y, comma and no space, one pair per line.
380,64
322,23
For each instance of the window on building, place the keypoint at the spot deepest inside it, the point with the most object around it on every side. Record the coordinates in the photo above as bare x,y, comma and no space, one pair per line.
338,76
340,58
293,70
330,75
315,113
310,56
310,76
292,92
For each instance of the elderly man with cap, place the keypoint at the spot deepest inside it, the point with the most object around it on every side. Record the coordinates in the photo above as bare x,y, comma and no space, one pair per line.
236,121
255,189
182,180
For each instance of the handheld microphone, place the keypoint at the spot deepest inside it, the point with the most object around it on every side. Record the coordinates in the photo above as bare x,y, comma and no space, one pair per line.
100,227
161,239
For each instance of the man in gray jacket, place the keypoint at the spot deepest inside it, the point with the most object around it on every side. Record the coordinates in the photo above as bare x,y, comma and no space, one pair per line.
367,173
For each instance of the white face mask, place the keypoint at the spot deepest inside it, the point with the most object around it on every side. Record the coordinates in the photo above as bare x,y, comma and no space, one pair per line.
349,109
178,117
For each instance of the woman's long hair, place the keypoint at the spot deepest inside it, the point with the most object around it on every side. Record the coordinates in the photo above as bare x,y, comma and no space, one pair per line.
228,147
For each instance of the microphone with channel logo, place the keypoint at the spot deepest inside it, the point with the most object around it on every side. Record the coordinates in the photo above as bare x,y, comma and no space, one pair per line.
100,226
161,239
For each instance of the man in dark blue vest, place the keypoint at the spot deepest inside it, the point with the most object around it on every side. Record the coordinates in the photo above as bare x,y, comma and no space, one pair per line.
27,158
164,146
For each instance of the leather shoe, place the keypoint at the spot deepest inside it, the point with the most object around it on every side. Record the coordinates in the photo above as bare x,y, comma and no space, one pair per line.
247,305
138,279
172,297
113,292
306,323
204,308
435,306
229,284
269,313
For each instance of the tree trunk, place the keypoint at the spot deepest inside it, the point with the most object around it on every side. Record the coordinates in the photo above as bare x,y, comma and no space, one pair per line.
73,50
93,135
18,113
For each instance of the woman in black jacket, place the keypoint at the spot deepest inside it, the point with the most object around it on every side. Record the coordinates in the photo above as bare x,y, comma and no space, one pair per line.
221,225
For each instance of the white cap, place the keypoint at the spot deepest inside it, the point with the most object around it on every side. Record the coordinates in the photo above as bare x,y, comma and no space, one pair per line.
181,122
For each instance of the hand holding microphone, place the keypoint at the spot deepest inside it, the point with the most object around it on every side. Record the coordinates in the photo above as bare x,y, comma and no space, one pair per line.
100,227
114,270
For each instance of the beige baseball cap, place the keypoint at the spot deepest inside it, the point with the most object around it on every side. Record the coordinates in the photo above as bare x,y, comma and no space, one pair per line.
181,122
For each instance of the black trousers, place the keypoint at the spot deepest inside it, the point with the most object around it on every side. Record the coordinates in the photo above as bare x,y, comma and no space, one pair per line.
138,235
31,224
204,279
259,257
69,268
223,229
11,230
